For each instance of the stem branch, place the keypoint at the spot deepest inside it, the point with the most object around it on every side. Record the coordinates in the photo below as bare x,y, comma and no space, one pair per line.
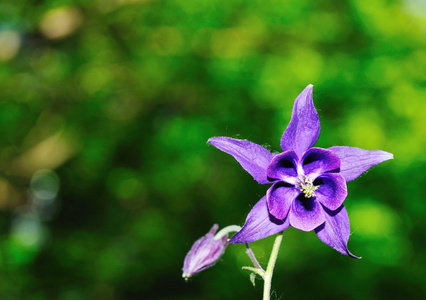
253,258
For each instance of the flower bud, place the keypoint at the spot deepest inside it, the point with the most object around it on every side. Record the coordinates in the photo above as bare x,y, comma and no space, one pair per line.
204,253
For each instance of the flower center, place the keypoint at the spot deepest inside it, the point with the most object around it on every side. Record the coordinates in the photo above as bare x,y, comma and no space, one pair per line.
307,187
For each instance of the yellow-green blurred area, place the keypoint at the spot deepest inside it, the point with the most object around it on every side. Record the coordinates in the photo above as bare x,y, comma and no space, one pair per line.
106,179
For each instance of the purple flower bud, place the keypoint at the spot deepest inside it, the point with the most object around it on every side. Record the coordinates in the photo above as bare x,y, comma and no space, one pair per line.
204,253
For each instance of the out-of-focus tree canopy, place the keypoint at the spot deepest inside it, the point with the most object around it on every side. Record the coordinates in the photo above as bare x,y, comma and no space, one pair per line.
105,176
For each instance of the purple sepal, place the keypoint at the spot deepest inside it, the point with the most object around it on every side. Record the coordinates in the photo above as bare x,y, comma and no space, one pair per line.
335,230
304,128
355,161
204,253
259,224
252,157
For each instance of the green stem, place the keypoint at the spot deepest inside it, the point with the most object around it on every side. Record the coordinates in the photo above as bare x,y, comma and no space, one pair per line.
226,230
253,258
270,269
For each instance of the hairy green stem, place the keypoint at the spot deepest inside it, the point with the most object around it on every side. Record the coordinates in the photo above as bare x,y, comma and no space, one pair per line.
253,258
270,269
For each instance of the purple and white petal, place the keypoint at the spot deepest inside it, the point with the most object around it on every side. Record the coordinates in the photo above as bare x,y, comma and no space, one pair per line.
284,167
332,191
355,161
204,253
279,198
335,231
317,161
306,213
304,128
252,157
259,224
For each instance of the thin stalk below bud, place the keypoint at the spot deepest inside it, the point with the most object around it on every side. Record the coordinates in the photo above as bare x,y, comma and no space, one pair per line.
224,231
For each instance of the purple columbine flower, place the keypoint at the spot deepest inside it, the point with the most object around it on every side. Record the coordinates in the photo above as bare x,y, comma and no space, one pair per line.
205,252
308,184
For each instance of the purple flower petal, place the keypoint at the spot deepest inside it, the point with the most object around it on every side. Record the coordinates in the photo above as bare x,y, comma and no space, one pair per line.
252,157
283,167
304,128
214,229
317,161
355,161
335,231
306,213
332,191
279,198
259,224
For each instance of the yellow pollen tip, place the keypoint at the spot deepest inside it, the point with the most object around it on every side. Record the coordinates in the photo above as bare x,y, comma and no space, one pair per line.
308,188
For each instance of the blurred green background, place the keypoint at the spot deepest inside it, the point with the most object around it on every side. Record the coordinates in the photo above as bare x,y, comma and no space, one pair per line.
106,179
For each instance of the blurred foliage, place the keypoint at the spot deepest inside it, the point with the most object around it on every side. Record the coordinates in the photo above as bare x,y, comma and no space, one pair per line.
105,176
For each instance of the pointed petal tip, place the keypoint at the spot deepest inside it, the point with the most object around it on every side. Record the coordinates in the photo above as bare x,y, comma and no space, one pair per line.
349,254
335,231
211,140
254,158
214,229
217,139
304,127
384,155
309,90
355,161
308,93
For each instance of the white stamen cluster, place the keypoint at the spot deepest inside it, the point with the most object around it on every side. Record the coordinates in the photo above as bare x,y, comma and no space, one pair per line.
307,187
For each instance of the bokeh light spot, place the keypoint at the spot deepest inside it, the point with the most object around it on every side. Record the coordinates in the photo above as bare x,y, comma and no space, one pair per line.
45,185
373,219
364,130
10,42
60,22
166,41
94,78
28,232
